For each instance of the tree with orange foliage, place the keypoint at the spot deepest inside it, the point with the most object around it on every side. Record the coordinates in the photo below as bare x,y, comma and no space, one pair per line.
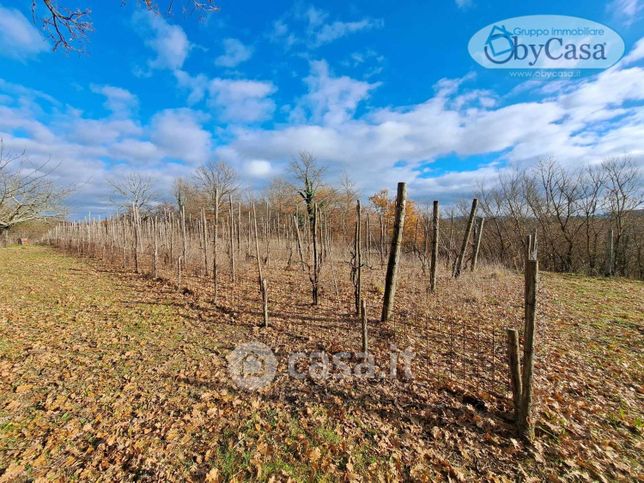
386,206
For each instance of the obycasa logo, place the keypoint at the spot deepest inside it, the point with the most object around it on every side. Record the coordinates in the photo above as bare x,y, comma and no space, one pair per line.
546,42
502,47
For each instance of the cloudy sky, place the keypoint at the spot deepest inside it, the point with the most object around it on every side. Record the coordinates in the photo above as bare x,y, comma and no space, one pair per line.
383,91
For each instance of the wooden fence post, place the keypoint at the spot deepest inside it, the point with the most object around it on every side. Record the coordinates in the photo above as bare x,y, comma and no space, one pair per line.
357,260
363,318
179,268
231,244
155,255
204,240
394,253
299,242
184,236
477,243
434,259
515,369
525,423
136,236
265,301
458,268
215,236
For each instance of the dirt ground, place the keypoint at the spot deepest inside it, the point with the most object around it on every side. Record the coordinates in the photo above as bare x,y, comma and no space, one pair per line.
106,374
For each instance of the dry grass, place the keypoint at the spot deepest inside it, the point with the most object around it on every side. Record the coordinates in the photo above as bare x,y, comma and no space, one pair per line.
113,375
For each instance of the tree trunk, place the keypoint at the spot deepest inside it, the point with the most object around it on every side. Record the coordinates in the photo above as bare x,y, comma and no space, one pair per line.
215,236
434,259
363,318
155,255
394,254
477,243
233,276
299,242
466,238
357,261
515,370
525,423
204,240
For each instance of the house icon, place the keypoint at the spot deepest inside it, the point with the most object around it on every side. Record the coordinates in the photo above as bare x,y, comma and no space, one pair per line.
499,41
253,365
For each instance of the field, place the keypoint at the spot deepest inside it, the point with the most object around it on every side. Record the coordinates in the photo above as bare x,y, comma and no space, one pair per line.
113,375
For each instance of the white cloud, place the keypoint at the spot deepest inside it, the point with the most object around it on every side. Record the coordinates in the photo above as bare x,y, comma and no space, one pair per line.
258,168
331,100
636,53
335,30
463,4
576,121
580,121
232,100
86,150
318,29
97,131
629,11
197,85
135,150
118,100
241,100
234,53
179,134
19,39
169,42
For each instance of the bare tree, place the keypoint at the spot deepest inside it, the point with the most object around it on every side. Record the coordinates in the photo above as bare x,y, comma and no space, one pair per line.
348,195
560,195
217,180
68,26
309,175
132,191
623,197
26,194
592,185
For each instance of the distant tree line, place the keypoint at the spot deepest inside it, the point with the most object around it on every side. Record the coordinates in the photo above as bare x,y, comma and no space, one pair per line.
587,219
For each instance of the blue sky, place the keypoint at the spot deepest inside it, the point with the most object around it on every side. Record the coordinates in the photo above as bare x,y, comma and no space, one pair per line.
382,91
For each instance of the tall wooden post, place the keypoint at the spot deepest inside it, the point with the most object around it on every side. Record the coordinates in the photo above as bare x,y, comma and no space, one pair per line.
466,238
515,369
357,260
477,243
435,234
265,300
204,240
525,423
367,241
394,254
155,255
184,241
315,275
259,260
215,237
299,242
231,233
136,234
363,318
382,239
